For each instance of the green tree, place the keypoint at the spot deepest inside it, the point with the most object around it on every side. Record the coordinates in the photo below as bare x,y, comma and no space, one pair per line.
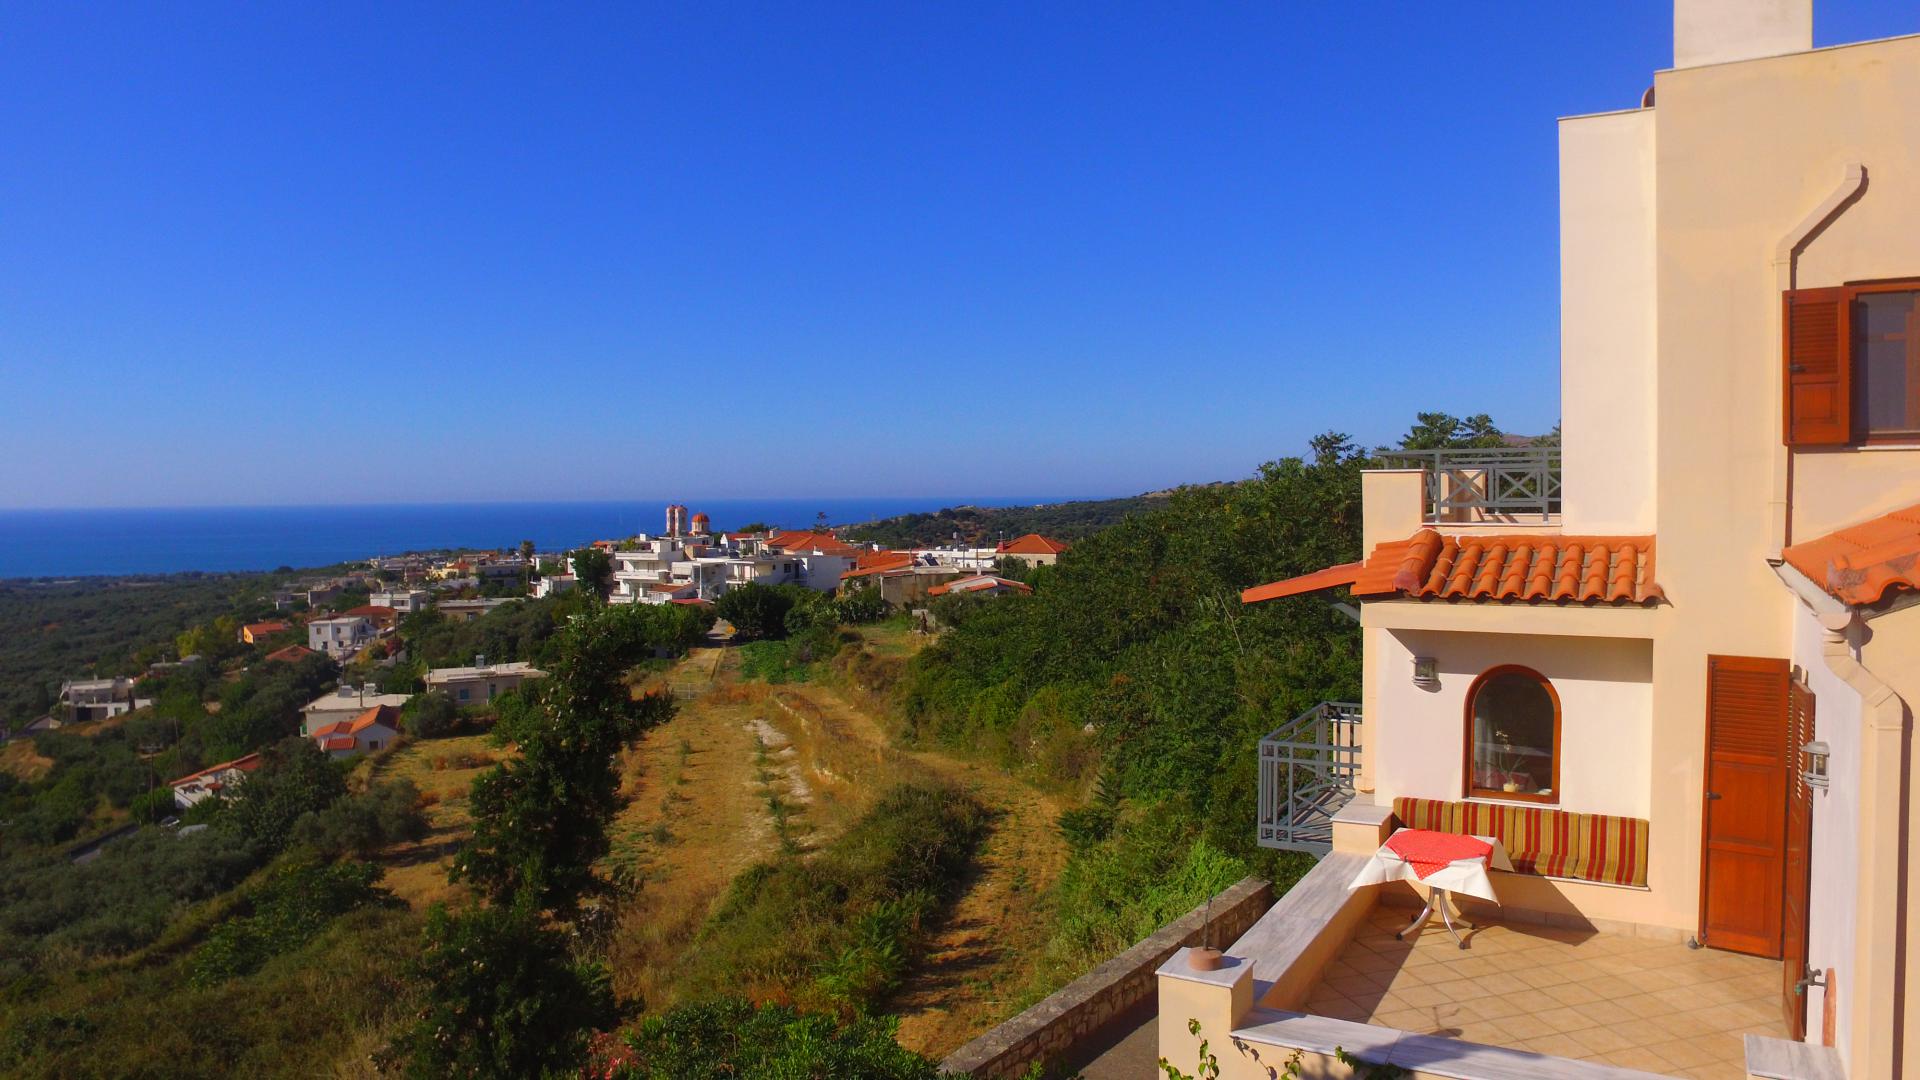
385,814
540,820
507,997
430,715
756,611
1442,431
294,778
594,568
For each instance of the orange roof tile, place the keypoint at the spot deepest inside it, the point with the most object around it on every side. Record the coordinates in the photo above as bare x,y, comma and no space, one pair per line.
1344,574
806,540
386,715
1030,544
245,763
1493,566
262,629
978,582
1861,563
878,562
288,654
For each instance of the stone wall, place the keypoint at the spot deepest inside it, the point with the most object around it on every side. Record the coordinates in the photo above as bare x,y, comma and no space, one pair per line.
1051,1028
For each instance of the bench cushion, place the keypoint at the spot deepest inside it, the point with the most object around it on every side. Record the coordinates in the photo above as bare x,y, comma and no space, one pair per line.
1542,840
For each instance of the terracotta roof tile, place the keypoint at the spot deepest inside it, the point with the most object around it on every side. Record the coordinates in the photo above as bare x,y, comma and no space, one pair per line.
288,654
1861,563
1492,566
1030,544
1344,574
878,562
977,583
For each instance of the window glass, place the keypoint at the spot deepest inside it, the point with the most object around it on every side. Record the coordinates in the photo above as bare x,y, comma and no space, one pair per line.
1886,364
1513,735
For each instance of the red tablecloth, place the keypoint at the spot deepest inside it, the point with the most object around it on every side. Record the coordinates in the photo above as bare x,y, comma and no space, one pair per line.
1428,851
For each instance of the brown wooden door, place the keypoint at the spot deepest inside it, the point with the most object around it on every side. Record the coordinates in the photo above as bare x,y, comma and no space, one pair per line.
1744,824
1799,869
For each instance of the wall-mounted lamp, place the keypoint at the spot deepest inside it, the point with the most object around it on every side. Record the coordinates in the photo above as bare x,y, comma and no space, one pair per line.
1426,672
1813,764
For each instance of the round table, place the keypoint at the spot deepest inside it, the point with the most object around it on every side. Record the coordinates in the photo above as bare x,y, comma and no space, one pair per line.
1444,862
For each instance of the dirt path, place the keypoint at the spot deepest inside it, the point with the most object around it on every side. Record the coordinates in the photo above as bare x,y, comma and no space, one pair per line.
698,816
745,770
980,954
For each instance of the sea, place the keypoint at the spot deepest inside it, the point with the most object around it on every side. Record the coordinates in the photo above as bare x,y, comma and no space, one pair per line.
75,543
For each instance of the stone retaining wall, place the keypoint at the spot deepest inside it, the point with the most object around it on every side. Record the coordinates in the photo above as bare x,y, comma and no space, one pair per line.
1055,1025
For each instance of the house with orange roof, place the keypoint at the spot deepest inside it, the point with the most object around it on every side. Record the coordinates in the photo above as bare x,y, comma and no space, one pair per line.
368,731
212,781
1669,668
1032,549
254,633
292,654
981,585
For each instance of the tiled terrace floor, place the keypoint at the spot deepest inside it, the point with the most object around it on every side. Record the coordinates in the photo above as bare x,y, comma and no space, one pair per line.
1626,1001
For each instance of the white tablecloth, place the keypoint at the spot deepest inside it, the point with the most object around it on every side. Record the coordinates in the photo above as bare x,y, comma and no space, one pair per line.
1467,876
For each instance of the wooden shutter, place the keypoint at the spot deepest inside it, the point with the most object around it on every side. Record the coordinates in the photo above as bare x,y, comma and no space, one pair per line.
1745,821
1818,380
1799,877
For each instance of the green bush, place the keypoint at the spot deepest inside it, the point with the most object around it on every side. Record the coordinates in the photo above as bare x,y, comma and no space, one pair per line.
757,612
732,1037
508,997
290,909
843,923
387,813
430,715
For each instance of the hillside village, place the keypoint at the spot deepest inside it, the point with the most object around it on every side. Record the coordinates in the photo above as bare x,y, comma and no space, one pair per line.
1587,756
686,563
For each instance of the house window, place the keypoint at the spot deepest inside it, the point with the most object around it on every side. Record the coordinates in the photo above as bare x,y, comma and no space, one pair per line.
1853,364
1886,365
1513,736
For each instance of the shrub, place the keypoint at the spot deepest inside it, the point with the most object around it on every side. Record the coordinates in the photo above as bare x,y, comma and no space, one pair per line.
757,612
430,715
508,998
732,1037
290,909
842,924
385,814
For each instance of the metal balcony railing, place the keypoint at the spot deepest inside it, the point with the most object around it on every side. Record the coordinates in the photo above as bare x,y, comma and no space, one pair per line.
1508,484
1307,768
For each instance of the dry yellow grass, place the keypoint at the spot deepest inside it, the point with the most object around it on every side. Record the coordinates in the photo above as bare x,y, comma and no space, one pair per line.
20,759
443,770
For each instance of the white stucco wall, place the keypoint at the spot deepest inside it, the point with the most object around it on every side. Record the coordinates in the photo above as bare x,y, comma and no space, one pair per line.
1836,826
1417,736
1607,322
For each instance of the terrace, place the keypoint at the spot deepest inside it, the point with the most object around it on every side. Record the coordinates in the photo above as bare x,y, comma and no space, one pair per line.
1505,485
1527,993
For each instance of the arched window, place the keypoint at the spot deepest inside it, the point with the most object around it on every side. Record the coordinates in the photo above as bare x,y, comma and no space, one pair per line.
1513,736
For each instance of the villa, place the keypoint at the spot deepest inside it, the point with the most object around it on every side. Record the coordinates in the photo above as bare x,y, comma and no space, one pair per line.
482,682
1670,666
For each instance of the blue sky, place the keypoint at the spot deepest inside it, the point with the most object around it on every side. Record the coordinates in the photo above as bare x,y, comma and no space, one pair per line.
347,253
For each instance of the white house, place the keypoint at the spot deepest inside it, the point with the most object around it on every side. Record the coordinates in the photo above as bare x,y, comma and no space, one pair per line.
340,636
404,601
344,704
98,699
212,781
481,683
366,732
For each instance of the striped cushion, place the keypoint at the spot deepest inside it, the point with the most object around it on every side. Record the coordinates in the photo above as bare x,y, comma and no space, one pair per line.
1541,840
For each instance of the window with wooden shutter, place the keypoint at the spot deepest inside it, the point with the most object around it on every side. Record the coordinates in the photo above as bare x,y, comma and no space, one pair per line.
1818,395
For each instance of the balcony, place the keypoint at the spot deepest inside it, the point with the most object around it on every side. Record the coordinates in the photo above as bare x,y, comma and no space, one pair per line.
1307,768
1507,485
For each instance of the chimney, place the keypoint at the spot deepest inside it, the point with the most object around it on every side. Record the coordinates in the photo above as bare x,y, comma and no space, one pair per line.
1718,31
